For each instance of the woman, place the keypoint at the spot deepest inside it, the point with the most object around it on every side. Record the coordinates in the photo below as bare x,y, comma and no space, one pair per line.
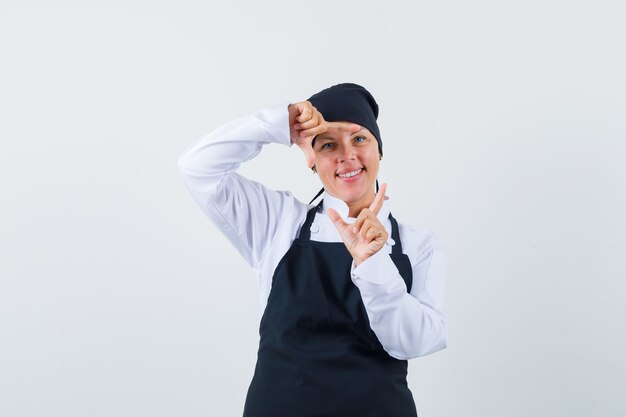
347,294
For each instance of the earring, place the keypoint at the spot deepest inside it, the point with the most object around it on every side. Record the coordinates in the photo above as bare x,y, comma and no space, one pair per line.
313,169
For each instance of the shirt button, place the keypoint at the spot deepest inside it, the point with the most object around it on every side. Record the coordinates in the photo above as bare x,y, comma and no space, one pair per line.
391,242
314,228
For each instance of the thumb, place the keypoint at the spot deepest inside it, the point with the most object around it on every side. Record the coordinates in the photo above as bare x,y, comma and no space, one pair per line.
336,218
310,157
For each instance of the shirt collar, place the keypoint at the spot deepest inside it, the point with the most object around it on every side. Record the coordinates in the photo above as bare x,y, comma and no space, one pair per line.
342,208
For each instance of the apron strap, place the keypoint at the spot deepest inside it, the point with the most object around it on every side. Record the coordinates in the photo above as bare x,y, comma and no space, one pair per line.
305,231
395,235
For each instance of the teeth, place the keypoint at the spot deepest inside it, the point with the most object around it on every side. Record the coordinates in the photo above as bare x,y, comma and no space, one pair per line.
350,174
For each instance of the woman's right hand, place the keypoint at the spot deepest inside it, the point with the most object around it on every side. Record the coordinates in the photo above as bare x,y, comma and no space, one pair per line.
305,122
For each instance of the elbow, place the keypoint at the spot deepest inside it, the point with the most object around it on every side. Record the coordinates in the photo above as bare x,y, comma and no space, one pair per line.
189,158
190,167
434,345
182,162
443,342
424,343
439,340
443,338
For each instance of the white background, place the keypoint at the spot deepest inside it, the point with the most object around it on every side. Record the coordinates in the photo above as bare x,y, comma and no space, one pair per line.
504,132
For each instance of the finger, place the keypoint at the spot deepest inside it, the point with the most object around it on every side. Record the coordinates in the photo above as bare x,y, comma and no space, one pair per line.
340,127
313,131
378,201
367,226
377,233
352,127
360,219
305,115
310,157
308,124
336,219
372,227
372,234
334,128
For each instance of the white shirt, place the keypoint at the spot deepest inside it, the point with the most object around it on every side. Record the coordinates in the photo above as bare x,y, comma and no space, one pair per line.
262,224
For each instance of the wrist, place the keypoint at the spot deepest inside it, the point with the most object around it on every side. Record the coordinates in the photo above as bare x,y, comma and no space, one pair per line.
358,260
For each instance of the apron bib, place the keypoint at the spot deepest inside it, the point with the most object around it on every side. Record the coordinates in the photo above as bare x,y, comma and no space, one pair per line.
318,356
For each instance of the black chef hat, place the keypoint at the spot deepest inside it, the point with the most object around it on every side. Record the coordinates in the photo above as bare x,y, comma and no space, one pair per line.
351,103
348,102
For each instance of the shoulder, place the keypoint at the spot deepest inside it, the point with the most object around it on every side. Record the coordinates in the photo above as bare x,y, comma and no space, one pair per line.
418,242
295,217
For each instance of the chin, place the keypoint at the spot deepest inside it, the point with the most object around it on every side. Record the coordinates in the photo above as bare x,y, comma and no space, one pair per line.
351,195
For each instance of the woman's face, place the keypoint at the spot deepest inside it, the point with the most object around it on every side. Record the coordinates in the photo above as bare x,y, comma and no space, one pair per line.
347,161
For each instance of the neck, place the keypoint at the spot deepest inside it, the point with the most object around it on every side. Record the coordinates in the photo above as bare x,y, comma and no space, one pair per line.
355,207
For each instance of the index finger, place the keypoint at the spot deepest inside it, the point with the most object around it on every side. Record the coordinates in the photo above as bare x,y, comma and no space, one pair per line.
378,201
337,127
336,218
353,127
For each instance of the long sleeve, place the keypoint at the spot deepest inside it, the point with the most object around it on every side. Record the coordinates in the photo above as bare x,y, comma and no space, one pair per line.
248,213
408,325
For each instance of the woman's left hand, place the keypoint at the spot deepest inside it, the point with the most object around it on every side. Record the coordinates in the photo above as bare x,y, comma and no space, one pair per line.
366,235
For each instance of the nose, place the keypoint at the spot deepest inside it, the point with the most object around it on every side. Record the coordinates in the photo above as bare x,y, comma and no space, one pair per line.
347,153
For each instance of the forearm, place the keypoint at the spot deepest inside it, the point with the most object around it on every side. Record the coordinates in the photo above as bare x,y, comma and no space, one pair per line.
222,151
406,326
247,212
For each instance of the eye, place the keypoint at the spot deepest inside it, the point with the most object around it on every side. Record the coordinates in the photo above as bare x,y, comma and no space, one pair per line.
324,145
360,137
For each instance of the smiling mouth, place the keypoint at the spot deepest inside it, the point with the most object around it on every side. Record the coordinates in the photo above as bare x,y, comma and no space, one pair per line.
351,173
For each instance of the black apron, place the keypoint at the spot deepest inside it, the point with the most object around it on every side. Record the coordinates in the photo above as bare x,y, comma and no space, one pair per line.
318,356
